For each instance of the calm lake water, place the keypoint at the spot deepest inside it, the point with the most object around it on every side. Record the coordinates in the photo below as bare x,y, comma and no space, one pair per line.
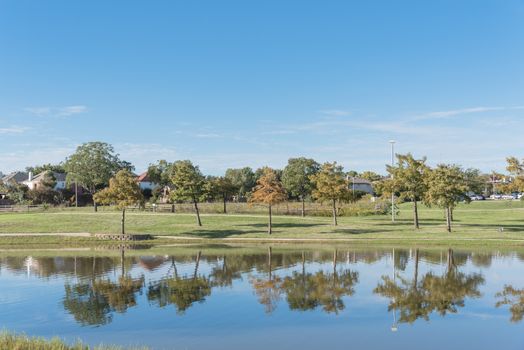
208,297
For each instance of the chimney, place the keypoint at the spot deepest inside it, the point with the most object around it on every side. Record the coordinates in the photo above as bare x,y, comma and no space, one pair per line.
30,176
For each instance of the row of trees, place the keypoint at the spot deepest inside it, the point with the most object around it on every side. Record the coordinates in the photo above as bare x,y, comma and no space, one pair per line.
98,169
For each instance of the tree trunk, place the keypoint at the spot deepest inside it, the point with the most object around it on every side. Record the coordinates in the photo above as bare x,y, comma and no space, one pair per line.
334,212
95,206
173,207
269,225
448,219
173,263
451,215
415,214
122,258
451,261
76,194
199,223
269,256
303,207
123,229
415,280
197,264
225,209
303,264
335,262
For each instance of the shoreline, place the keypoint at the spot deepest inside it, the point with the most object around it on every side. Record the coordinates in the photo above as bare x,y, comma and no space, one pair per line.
76,240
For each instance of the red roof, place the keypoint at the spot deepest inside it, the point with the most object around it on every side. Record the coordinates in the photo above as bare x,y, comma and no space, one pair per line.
144,177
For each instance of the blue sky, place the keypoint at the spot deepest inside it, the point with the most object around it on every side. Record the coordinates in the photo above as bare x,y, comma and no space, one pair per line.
232,83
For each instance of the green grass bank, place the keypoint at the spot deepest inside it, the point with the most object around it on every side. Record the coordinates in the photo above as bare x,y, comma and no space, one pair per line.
14,341
484,223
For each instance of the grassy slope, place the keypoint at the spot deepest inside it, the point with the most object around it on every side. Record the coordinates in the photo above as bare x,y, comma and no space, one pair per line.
14,341
476,221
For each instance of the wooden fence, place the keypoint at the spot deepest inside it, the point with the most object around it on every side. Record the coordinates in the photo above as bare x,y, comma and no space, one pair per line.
364,207
21,208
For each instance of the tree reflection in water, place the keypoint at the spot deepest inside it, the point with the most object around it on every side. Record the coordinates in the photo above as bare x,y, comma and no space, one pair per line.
92,301
225,275
419,298
179,291
515,299
306,291
407,296
268,290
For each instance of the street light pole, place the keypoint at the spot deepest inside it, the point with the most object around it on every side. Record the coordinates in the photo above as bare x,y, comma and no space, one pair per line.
392,142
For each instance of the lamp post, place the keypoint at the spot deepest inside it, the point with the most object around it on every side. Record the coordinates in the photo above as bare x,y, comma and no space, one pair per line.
394,326
392,142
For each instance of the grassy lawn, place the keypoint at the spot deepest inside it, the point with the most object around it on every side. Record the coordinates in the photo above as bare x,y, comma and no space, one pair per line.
478,222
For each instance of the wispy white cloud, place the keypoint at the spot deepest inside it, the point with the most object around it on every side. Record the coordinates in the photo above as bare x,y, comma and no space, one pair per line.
71,110
23,155
278,132
13,130
64,111
143,154
462,111
38,111
335,112
208,135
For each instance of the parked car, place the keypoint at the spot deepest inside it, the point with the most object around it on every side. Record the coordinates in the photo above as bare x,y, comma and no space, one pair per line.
477,197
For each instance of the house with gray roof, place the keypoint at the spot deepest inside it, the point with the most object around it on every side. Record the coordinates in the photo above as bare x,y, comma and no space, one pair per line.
34,182
16,177
360,184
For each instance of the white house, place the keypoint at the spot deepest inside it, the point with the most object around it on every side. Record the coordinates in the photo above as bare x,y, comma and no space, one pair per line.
34,182
360,184
145,183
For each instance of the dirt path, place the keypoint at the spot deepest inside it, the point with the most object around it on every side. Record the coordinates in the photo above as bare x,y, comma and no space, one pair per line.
64,234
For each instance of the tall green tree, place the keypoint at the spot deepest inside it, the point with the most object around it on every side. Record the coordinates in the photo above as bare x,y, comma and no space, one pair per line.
475,180
188,184
92,165
243,179
269,191
516,168
371,176
330,186
37,169
123,191
220,188
446,187
408,179
161,172
296,178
